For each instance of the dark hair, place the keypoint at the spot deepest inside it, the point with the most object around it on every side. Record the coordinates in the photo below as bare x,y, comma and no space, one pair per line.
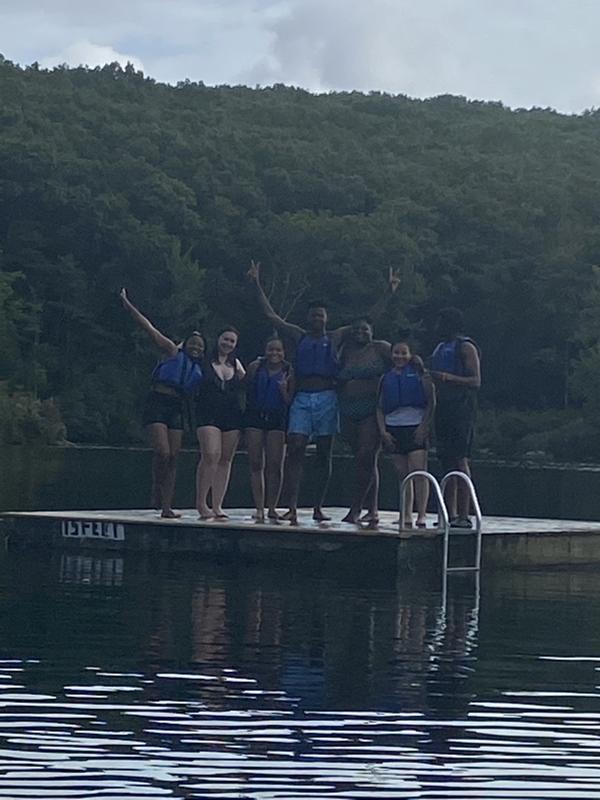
316,304
274,338
191,335
363,318
415,360
451,319
214,356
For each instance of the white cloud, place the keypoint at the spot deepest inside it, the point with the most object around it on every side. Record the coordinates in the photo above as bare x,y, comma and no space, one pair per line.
85,53
523,52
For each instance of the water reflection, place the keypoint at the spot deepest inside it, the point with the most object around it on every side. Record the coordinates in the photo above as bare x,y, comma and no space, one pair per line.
151,678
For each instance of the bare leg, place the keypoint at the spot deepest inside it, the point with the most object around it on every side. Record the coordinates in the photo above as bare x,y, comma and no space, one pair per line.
168,490
365,457
295,461
450,498
463,495
255,440
417,460
322,474
401,464
163,464
209,439
275,456
229,443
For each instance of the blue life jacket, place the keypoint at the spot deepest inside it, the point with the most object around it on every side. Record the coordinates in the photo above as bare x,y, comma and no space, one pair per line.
266,392
179,372
316,357
402,389
447,356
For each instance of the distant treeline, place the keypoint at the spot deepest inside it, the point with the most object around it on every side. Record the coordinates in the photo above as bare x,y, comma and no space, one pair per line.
108,179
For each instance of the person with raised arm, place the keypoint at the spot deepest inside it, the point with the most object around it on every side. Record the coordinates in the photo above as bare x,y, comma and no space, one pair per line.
456,370
176,376
269,391
314,410
219,423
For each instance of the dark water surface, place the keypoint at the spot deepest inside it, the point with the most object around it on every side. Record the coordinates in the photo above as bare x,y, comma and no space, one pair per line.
146,677
143,678
90,478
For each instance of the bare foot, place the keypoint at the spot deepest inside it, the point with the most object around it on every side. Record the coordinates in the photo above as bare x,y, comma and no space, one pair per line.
368,516
273,514
319,516
351,517
221,515
373,523
205,513
289,514
292,516
259,516
168,513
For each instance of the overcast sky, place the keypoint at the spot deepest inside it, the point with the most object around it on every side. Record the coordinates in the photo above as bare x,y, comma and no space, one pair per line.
523,52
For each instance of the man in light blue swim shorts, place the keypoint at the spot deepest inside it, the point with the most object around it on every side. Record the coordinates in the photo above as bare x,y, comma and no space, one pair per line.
314,410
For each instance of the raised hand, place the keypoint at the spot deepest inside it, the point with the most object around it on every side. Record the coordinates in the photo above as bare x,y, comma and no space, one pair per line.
394,279
254,271
123,296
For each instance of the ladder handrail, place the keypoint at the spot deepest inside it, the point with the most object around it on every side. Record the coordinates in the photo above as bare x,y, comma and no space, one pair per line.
443,511
478,520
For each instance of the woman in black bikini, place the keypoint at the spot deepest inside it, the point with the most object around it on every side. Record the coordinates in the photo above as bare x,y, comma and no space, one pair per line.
177,376
218,423
363,361
269,393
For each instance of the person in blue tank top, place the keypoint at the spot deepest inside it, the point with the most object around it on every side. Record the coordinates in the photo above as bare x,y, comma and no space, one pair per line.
269,391
177,376
456,370
314,410
404,414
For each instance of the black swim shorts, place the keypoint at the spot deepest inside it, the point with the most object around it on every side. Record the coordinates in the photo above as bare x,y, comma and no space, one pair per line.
166,409
455,418
404,439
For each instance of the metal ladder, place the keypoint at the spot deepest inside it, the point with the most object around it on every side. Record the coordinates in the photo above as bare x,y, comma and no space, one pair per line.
476,567
443,518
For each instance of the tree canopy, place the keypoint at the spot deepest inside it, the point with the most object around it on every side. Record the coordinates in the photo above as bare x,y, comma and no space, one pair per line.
109,179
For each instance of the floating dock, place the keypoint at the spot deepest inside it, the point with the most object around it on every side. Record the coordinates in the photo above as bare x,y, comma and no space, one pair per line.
507,541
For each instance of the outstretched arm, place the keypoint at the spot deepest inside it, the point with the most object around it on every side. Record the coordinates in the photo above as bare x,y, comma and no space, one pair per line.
377,309
293,331
159,339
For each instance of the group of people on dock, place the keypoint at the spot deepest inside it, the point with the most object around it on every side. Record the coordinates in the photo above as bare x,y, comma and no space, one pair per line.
310,383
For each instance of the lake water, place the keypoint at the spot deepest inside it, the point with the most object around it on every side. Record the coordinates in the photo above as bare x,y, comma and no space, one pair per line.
151,677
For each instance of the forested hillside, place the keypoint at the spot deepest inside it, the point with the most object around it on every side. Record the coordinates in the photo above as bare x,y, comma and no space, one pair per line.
108,179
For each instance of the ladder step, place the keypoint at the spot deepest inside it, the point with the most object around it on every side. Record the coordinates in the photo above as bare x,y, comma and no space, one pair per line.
463,569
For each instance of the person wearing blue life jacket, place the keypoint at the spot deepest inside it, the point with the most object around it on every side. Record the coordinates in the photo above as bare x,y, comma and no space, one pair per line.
314,410
176,377
405,413
269,391
218,423
456,370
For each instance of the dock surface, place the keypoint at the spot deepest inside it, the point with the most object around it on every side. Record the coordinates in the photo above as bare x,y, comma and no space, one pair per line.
516,541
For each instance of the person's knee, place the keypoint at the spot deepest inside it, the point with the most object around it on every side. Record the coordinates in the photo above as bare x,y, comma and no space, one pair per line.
256,464
211,457
162,454
296,449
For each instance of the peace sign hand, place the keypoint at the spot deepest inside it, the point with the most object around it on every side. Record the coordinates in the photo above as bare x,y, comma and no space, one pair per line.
394,279
123,296
254,271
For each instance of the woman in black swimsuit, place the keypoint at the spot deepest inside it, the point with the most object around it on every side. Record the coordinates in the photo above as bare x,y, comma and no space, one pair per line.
218,423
